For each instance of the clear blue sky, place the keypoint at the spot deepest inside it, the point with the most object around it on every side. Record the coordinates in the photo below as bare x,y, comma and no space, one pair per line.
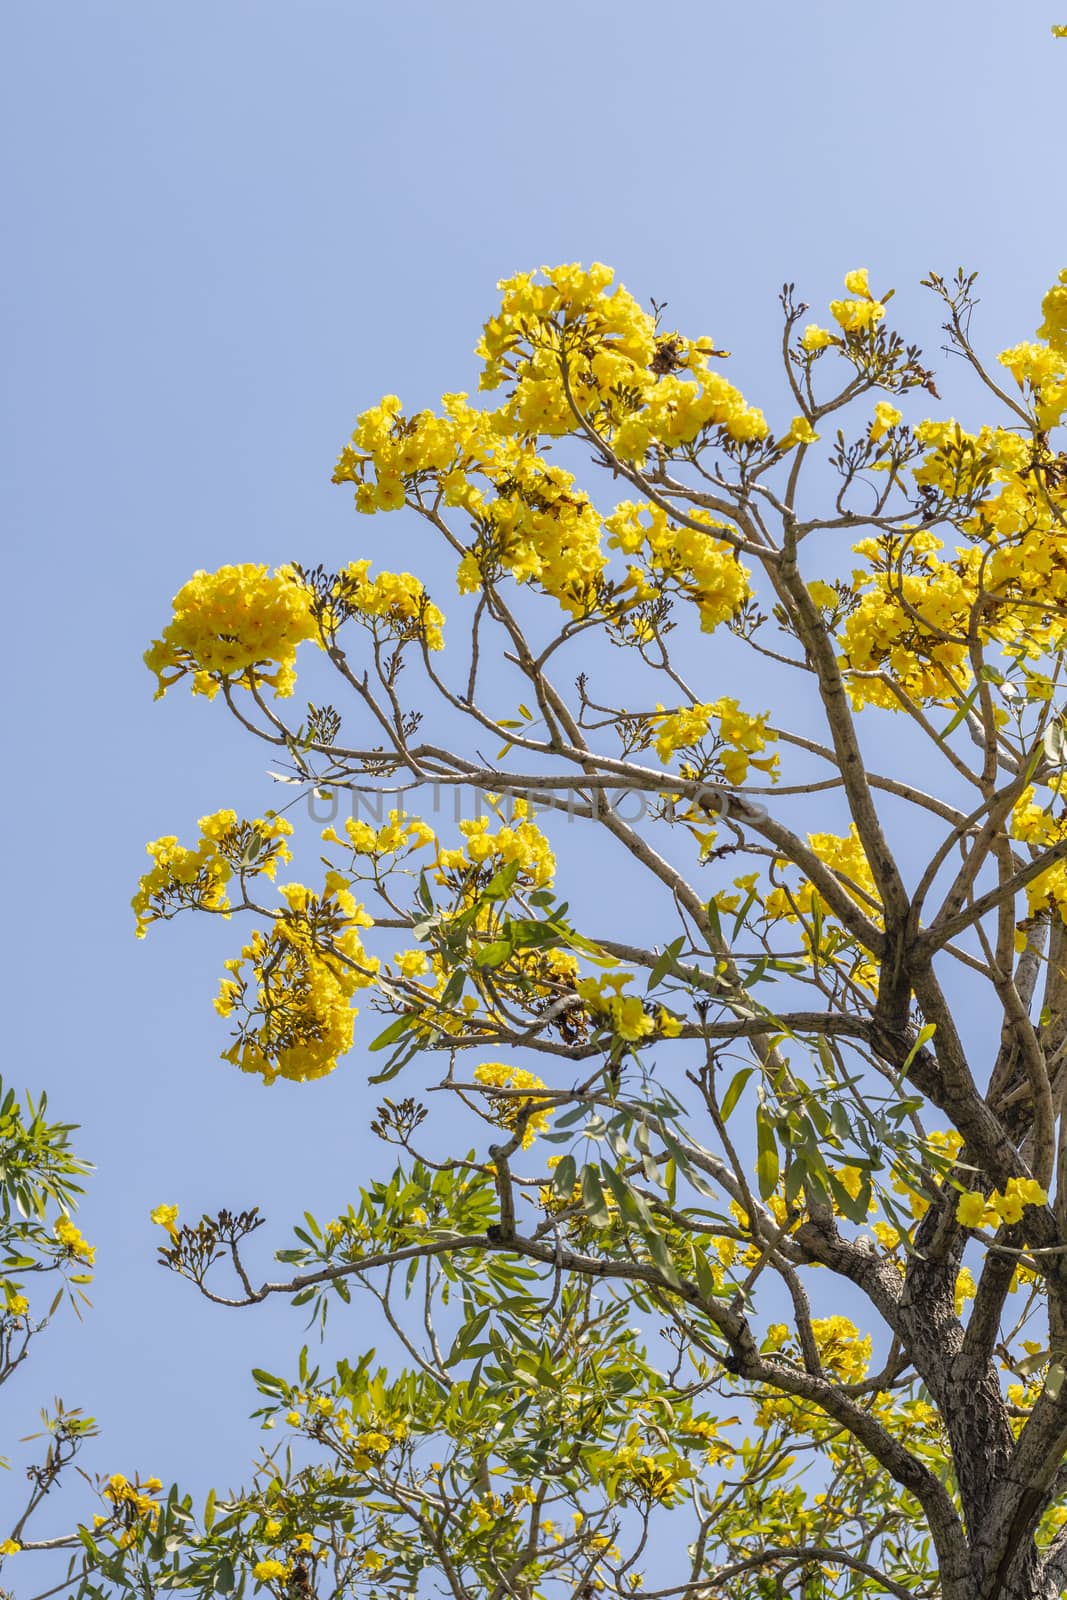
231,225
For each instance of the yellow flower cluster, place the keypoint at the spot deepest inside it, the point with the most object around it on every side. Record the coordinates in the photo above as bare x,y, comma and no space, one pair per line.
861,314
405,449
299,1018
520,841
660,1478
902,618
198,876
640,387
400,833
677,412
843,1351
568,332
680,730
572,295
917,609
15,1304
973,1210
529,519
73,1242
507,1109
1040,827
740,735
399,449
135,1498
538,528
679,560
1040,370
844,854
269,1570
965,1289
1054,308
240,624
396,599
625,1013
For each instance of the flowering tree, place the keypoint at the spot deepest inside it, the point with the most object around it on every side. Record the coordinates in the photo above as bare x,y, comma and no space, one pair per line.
754,1278
41,1248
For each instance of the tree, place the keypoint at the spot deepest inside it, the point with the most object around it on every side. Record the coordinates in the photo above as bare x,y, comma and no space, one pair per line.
809,1060
40,1182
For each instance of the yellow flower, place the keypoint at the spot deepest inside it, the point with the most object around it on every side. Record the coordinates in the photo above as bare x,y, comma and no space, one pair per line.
166,1217
970,1209
10,1547
800,432
965,1289
822,594
816,338
856,316
266,1571
506,1110
885,417
69,1236
629,1019
121,1492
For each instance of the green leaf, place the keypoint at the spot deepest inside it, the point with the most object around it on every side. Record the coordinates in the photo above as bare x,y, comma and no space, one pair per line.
734,1091
924,1035
767,1164
466,1337
964,707
267,1383
396,1030
568,1118
564,1176
492,955
854,1209
453,988
594,1202
705,1277
663,965
839,1118
502,882
657,1247
711,911
632,1206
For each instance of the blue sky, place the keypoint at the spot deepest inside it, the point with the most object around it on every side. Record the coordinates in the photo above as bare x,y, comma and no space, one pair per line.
229,227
